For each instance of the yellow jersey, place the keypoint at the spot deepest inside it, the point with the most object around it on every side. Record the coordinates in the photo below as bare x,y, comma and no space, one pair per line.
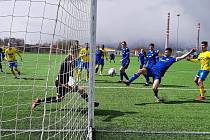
104,53
204,58
84,55
11,54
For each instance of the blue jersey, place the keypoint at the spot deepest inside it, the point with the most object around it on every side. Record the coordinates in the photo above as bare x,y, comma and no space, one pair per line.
99,54
162,66
142,59
125,54
151,58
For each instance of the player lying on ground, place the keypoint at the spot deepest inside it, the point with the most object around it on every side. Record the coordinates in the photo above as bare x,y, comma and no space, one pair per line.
10,55
65,76
203,58
158,70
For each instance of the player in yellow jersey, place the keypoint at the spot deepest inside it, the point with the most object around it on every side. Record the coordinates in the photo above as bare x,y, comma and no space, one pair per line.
84,55
10,55
203,58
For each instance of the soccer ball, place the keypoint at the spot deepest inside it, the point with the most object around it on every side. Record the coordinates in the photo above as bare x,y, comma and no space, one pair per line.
71,81
112,72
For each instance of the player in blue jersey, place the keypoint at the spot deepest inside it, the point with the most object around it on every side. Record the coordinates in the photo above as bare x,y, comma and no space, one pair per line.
142,58
124,61
99,58
158,70
157,55
2,55
151,60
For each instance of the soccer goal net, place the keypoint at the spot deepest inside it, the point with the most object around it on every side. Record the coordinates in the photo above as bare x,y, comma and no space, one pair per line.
45,84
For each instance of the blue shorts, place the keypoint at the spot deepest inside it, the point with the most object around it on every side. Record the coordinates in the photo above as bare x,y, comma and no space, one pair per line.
12,64
202,74
100,62
150,65
153,73
125,63
84,65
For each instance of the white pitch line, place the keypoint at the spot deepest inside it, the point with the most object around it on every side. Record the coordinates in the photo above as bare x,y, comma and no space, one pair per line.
126,87
156,132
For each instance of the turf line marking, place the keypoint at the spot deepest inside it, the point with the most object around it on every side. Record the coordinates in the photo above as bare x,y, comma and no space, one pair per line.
156,132
149,88
40,130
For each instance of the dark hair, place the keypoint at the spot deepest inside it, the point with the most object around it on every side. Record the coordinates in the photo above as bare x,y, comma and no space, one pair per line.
152,44
168,49
204,43
124,42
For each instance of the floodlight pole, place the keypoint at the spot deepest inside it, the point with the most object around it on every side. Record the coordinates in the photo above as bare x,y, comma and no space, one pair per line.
198,36
167,31
177,34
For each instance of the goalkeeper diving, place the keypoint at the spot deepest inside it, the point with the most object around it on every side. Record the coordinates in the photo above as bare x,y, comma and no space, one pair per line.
64,82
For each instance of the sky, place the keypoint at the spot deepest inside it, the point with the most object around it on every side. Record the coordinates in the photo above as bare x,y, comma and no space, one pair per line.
144,21
139,22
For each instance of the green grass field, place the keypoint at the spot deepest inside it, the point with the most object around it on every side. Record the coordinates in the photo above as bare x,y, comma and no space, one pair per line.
121,108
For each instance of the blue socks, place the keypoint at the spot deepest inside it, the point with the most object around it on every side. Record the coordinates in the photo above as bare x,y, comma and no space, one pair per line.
155,93
134,77
126,76
121,76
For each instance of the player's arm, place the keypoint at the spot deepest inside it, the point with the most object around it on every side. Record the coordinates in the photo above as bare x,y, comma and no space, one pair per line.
185,55
105,55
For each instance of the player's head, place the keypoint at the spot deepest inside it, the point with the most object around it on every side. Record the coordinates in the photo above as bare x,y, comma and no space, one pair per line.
86,46
151,46
76,43
204,45
98,47
102,47
74,50
168,52
123,44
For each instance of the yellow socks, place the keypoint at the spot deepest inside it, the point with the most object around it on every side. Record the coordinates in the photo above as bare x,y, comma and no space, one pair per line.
202,91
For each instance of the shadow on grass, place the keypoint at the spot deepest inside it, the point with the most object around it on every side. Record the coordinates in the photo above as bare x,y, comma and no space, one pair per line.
192,101
111,114
107,75
173,86
79,110
185,101
28,78
106,81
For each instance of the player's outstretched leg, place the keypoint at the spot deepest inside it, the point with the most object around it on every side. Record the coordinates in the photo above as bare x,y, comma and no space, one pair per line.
136,75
